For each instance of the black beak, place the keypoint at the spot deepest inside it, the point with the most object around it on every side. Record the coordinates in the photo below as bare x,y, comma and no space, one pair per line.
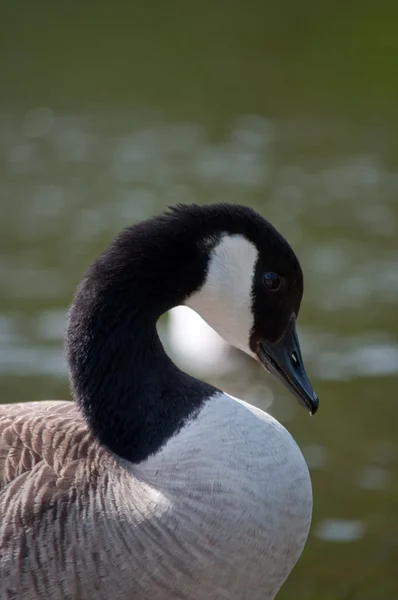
283,359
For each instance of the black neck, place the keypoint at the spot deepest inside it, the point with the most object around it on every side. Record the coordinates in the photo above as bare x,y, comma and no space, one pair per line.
131,394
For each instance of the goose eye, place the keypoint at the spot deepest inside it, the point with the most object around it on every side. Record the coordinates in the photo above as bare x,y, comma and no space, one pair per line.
272,281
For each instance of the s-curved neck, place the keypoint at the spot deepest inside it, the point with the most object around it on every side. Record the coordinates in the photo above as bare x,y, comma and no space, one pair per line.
131,394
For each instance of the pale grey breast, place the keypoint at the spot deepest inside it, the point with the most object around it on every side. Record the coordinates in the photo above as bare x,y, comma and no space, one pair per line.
221,512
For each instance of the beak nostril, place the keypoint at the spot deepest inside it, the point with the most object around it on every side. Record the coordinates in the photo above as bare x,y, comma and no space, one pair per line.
295,360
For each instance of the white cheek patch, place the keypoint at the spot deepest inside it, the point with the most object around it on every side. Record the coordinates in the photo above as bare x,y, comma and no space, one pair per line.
225,299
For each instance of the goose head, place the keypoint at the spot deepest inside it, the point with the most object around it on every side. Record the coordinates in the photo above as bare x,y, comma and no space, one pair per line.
251,293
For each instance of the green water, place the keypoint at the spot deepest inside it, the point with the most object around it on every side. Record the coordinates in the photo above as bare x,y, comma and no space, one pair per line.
110,112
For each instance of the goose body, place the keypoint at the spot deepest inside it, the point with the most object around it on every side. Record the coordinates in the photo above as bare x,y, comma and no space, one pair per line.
152,484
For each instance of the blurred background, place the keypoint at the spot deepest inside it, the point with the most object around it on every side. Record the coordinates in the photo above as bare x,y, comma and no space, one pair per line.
109,112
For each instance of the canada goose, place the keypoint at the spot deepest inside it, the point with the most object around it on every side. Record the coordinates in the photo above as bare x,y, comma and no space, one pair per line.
155,485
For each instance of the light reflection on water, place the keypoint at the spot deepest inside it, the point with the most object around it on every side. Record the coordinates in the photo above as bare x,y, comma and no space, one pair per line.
340,530
373,478
203,351
91,181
